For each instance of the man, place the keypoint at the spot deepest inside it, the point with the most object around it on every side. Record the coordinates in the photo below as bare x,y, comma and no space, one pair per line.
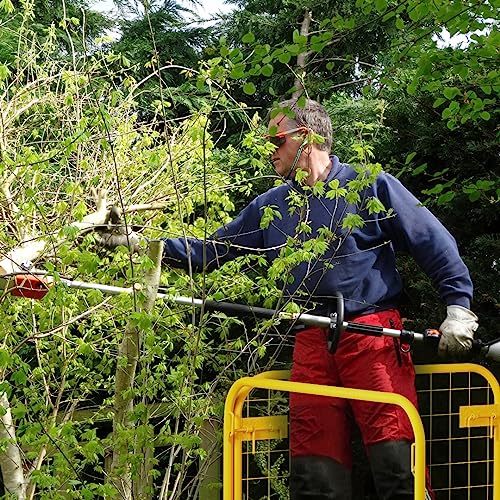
359,261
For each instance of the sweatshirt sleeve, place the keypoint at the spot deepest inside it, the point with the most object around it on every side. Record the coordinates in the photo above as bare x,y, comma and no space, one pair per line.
239,237
415,230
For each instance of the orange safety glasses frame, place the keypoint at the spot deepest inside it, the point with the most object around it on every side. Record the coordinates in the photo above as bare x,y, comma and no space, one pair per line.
280,138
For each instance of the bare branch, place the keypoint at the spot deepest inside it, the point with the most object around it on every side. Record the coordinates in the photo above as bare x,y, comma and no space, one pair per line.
32,247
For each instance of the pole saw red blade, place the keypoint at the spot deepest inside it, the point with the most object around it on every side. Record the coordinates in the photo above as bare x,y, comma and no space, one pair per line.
30,287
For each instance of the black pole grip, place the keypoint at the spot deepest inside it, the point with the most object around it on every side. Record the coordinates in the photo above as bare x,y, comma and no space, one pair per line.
336,330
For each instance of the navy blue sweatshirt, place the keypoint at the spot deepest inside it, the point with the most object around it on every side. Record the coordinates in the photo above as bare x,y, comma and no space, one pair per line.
359,263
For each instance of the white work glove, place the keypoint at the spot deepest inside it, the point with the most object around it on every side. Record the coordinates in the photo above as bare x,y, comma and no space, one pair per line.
457,331
112,239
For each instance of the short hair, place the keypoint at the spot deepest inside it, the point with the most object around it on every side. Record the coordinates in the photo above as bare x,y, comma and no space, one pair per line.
311,115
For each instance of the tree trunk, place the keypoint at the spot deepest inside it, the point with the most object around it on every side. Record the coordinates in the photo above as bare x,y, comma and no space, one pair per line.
211,470
11,466
300,74
125,376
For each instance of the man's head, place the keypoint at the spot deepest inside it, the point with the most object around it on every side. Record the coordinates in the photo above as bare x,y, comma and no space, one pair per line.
293,132
312,116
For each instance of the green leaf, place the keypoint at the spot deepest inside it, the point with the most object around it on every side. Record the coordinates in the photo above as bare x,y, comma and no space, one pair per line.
301,102
238,71
485,115
410,157
418,170
334,190
353,221
269,213
485,185
437,189
7,6
375,206
19,411
438,102
412,87
298,38
4,72
446,198
352,197
451,92
388,16
267,70
142,320
461,70
301,176
400,25
19,377
294,49
475,195
248,38
319,188
284,58
4,358
381,5
249,88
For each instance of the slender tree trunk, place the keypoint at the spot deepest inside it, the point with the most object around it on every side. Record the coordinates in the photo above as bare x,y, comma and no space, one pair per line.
11,466
143,487
128,356
211,470
298,84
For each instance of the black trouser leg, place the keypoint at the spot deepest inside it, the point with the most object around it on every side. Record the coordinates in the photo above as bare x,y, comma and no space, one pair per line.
391,468
319,478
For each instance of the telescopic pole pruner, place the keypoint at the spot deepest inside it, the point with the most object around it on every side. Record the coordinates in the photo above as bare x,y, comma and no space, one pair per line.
35,286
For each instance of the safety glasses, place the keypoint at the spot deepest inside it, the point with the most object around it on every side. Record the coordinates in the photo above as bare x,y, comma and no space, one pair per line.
280,138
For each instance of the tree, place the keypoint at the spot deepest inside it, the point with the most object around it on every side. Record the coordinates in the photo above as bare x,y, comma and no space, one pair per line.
78,138
160,43
72,23
69,132
339,43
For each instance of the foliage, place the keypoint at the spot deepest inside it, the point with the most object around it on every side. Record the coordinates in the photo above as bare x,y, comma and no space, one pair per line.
74,130
156,121
159,43
28,25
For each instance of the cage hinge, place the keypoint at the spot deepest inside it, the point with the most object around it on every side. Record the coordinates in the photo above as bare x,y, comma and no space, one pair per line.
262,428
481,416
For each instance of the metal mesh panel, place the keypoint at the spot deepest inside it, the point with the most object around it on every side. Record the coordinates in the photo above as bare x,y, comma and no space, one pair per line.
265,462
460,460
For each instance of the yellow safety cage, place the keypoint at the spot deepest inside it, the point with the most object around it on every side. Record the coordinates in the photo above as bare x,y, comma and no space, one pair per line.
457,432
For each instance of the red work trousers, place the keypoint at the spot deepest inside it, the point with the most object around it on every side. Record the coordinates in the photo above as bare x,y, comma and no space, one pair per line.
321,425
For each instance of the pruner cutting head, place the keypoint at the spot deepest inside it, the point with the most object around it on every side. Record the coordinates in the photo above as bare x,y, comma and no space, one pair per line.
29,286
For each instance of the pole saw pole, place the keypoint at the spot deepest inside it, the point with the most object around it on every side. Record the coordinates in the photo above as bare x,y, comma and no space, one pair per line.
35,286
